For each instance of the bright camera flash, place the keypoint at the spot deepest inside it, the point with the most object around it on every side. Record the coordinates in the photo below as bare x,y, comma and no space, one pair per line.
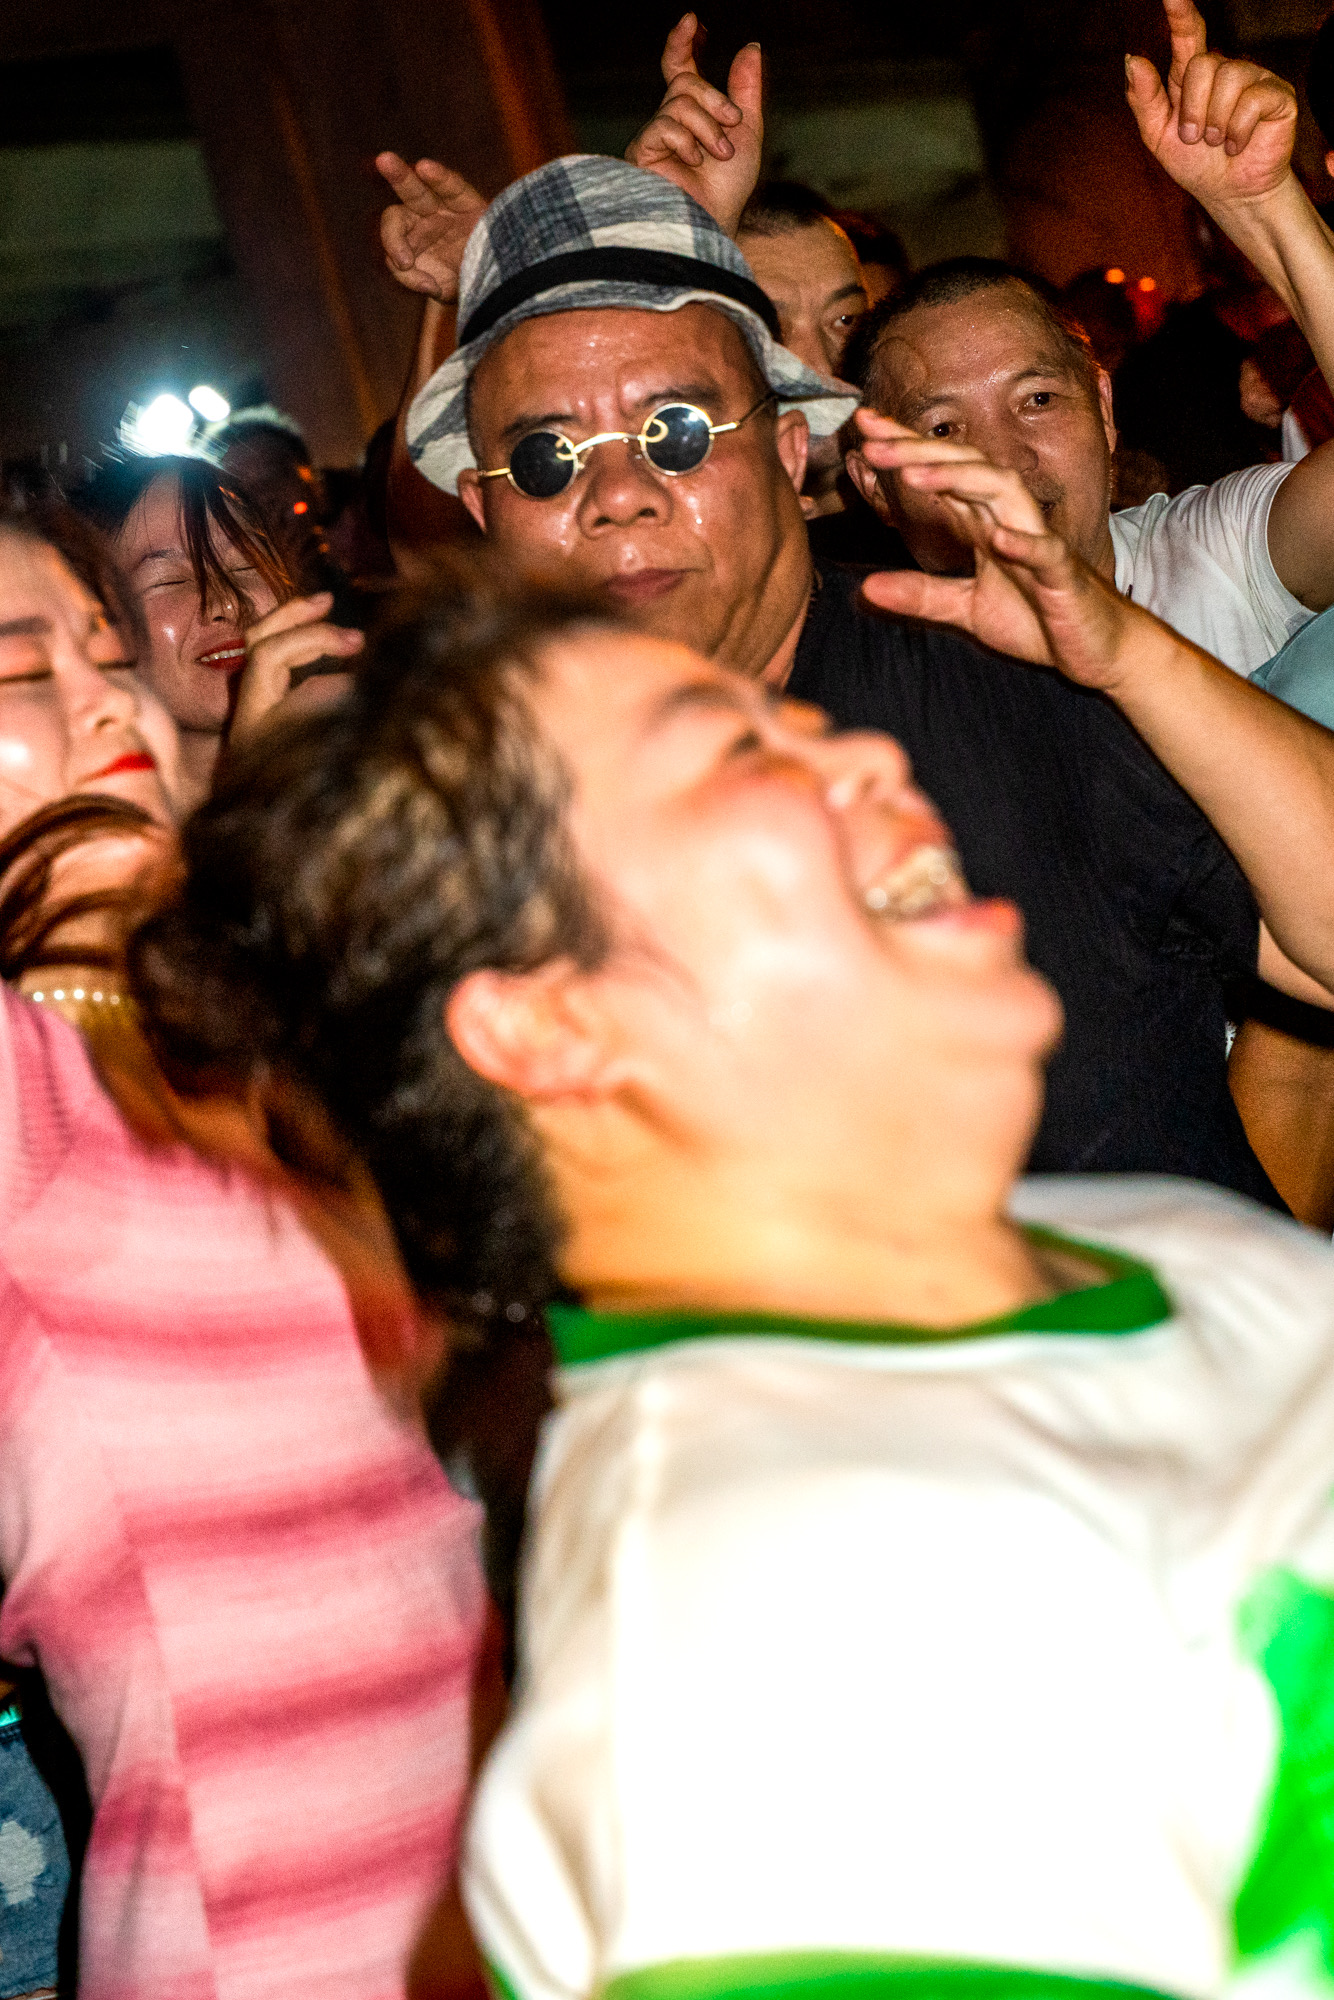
164,426
212,407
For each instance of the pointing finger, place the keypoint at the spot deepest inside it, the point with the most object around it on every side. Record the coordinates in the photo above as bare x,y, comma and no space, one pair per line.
1188,32
446,185
408,185
679,49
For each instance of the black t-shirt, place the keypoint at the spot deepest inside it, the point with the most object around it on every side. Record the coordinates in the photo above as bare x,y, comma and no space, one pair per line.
1135,910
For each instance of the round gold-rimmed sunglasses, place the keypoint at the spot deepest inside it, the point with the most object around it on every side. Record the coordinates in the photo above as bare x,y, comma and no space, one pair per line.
675,439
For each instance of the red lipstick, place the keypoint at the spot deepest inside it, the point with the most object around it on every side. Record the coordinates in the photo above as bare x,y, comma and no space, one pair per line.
133,760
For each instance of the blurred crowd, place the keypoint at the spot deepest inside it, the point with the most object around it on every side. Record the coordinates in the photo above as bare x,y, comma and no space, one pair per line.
667,1118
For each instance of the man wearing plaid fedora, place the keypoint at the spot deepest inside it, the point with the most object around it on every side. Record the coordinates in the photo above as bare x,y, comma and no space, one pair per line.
619,416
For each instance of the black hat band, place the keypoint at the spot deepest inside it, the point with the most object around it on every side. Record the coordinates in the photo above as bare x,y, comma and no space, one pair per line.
619,264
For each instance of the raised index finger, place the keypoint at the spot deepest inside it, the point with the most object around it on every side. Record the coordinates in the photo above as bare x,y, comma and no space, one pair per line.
411,190
678,52
1185,25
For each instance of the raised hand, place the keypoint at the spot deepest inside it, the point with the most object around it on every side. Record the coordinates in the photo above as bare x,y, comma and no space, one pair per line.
706,142
295,635
1222,128
424,232
1030,596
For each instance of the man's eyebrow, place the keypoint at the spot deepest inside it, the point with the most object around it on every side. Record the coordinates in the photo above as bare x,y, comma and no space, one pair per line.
694,697
34,627
550,420
913,406
857,291
689,392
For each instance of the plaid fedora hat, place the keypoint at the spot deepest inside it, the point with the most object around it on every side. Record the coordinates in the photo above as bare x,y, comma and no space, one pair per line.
585,232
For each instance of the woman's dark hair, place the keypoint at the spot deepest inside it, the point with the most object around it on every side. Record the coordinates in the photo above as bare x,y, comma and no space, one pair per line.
212,507
33,927
350,869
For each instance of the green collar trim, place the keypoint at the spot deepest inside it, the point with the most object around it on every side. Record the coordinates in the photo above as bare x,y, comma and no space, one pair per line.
840,1975
843,1975
1128,1300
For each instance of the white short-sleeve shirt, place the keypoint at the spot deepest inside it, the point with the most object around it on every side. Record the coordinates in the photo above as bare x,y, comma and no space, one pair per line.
1201,563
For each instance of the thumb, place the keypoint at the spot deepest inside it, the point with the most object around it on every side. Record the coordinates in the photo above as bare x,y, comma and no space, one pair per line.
1146,97
745,82
945,600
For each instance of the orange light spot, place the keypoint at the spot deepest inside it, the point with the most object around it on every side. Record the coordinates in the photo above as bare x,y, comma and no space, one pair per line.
301,506
1116,276
1148,284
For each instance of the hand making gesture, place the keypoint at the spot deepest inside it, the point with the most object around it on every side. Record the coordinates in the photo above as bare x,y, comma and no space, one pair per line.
706,142
424,232
1223,128
1030,595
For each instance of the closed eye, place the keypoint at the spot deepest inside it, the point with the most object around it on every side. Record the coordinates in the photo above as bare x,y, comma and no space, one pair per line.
746,744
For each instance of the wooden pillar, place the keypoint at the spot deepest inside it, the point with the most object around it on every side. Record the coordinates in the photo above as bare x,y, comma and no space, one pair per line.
292,99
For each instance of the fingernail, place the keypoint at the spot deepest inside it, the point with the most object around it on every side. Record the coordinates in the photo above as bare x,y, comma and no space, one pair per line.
1212,135
725,149
1190,133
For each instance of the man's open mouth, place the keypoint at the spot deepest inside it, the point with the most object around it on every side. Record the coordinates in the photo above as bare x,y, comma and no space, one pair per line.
929,881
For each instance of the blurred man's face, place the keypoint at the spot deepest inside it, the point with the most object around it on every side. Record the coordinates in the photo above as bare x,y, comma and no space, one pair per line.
785,908
815,282
989,371
716,557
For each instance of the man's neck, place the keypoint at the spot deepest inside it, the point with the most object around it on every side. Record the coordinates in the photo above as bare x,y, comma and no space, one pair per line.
661,1239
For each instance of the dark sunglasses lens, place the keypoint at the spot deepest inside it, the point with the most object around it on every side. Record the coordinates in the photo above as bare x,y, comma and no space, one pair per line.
542,464
676,439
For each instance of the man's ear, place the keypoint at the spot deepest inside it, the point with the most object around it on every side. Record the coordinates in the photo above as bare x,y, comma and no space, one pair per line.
793,436
470,493
534,1033
1105,407
867,482
1329,163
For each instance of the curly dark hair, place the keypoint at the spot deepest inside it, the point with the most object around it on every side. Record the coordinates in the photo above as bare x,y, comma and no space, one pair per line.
351,868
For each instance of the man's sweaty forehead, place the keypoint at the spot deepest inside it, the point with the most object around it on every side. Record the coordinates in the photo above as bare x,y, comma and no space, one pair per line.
941,352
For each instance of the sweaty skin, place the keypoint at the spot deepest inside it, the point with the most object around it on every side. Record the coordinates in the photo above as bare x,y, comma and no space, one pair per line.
988,371
717,558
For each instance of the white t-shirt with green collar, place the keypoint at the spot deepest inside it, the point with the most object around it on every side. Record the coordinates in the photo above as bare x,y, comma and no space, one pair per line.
997,1664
